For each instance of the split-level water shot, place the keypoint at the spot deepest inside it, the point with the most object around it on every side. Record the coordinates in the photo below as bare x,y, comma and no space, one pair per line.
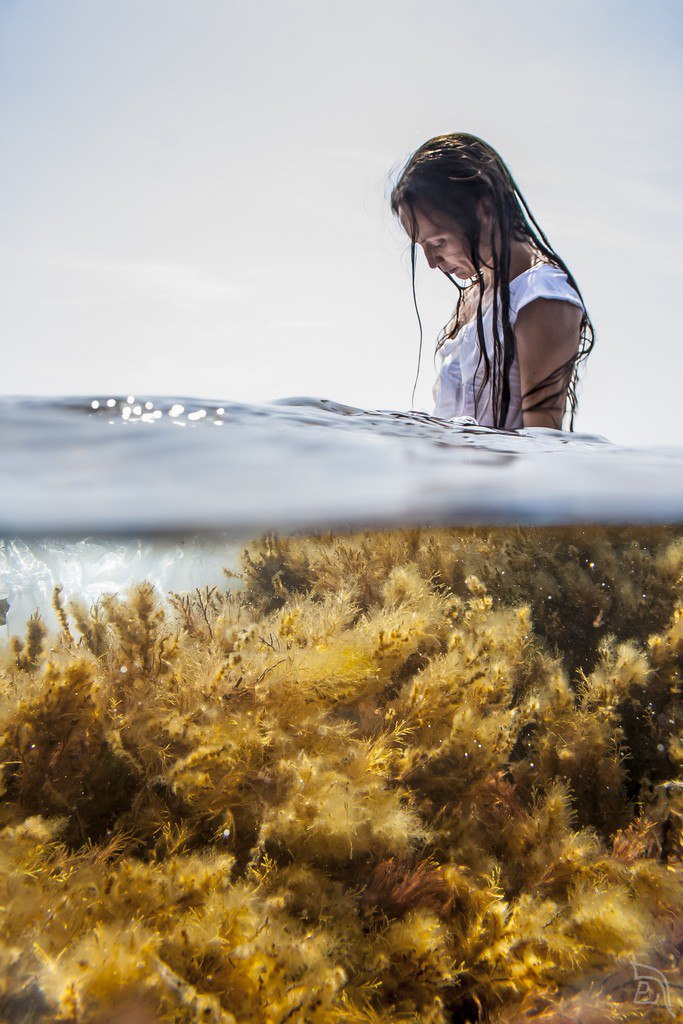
322,700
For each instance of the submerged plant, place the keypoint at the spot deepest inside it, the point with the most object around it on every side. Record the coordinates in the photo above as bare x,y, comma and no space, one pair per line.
386,781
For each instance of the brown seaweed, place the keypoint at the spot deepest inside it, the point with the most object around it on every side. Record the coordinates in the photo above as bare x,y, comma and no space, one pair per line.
425,775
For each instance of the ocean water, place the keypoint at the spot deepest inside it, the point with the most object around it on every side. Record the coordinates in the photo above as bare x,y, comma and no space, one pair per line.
311,713
154,466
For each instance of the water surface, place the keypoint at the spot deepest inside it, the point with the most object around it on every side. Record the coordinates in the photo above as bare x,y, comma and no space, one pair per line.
158,466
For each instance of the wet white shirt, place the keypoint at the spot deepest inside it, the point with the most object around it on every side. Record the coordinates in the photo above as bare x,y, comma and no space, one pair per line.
458,381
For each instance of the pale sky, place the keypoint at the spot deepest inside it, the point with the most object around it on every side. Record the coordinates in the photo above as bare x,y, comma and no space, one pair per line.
194,193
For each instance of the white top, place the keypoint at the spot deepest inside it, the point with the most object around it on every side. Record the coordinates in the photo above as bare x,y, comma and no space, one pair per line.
458,381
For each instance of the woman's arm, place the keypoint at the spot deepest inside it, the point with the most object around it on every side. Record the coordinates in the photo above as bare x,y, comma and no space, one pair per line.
547,334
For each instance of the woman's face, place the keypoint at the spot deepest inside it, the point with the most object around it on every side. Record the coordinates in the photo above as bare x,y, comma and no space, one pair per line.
444,243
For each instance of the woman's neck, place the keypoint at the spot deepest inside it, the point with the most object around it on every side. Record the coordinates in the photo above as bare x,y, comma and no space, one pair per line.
522,257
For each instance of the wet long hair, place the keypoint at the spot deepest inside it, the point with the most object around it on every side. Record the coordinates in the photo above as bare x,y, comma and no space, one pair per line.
450,174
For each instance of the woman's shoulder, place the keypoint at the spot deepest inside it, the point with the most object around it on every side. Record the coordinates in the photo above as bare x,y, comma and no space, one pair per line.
543,280
540,270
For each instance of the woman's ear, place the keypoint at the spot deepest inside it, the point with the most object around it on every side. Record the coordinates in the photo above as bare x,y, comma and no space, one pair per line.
485,213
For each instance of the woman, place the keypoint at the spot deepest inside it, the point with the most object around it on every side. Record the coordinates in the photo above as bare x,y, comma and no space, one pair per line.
509,356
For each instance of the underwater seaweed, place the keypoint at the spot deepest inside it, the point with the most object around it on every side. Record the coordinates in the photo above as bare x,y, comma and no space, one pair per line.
388,780
27,655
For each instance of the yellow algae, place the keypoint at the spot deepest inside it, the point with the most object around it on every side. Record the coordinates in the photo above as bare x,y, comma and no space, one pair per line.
424,775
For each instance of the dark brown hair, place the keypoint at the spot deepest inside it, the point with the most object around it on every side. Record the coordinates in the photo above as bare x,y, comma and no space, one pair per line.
450,174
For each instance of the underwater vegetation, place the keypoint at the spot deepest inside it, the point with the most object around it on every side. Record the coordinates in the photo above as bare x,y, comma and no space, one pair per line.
425,775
